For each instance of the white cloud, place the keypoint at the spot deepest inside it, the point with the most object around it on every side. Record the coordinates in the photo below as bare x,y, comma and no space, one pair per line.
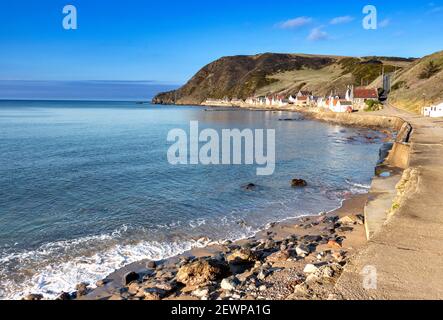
384,23
342,20
318,34
434,8
295,23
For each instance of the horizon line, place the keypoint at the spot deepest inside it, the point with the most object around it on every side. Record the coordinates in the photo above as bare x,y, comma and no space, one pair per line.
90,80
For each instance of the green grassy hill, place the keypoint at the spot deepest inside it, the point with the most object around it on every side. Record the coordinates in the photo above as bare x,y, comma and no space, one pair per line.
420,84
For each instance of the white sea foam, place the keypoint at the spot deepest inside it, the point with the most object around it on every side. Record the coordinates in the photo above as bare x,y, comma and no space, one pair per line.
55,277
197,223
357,185
52,276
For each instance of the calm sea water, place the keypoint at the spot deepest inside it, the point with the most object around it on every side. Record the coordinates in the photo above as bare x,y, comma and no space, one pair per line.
85,187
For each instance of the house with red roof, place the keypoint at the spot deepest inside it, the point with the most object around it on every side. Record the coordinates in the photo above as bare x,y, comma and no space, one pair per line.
359,95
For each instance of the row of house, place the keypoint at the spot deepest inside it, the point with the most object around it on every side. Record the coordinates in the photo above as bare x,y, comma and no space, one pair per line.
302,98
354,99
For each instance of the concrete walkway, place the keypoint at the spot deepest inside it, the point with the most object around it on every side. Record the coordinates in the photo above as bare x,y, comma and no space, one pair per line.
407,252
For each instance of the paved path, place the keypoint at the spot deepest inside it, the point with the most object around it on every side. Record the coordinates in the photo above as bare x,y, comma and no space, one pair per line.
408,252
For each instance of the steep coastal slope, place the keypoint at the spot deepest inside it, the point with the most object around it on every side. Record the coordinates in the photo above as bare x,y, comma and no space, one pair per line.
243,76
420,84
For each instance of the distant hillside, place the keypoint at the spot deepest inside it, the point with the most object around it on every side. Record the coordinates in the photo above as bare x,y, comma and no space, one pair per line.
420,84
244,76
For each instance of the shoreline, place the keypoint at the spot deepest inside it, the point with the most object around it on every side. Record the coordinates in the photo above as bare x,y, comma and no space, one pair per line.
113,287
154,274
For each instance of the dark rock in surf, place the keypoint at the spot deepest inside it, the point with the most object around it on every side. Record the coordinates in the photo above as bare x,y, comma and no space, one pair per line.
298,183
249,187
289,119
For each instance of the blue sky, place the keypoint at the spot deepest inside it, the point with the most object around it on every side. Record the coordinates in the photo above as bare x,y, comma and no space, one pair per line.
168,41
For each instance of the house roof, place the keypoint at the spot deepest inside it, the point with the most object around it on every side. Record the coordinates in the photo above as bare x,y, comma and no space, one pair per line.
302,98
364,93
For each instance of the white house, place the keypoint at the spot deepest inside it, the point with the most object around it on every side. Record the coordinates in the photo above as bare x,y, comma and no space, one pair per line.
256,101
280,101
434,111
340,105
276,101
320,102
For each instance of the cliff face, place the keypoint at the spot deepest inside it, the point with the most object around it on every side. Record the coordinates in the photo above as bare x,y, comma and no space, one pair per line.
243,76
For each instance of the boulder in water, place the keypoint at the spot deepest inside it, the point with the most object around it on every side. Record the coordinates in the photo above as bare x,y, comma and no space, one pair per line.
249,187
298,183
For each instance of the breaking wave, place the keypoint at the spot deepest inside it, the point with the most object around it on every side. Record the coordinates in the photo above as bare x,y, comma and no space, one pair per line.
51,270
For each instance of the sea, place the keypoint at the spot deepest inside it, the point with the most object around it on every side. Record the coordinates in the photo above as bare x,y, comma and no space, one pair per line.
86,186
